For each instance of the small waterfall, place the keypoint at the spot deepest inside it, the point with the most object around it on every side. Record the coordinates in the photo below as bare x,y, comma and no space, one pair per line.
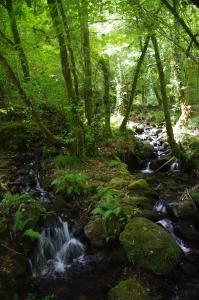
174,166
56,250
160,206
167,224
148,169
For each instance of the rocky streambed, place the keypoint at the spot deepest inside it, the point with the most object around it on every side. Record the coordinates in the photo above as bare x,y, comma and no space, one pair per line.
137,236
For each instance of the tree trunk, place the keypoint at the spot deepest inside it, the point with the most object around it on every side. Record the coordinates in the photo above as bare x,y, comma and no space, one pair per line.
180,94
88,91
157,95
76,124
172,143
107,107
134,84
17,40
11,75
72,58
181,22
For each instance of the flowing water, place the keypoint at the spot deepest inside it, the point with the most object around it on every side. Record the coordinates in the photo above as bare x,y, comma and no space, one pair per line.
56,249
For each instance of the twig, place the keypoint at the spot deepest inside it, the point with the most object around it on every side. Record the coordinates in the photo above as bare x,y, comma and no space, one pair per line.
10,249
166,163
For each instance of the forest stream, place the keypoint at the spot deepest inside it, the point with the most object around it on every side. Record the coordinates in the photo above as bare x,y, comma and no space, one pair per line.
65,265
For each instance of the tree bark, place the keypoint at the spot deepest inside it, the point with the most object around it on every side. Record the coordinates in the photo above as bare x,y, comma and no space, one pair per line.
27,101
180,94
134,84
17,40
157,95
107,107
70,49
76,124
88,91
181,21
172,142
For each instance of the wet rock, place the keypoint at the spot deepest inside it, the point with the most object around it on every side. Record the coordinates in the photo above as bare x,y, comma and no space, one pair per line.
150,246
96,232
186,229
183,209
146,151
195,197
130,289
156,164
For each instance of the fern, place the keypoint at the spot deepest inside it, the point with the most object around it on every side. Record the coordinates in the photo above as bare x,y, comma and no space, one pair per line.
66,160
32,234
72,183
11,201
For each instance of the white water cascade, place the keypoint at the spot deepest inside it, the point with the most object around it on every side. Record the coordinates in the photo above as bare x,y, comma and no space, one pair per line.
167,224
56,250
148,169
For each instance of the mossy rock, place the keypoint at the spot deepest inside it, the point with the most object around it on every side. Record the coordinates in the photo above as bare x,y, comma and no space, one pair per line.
150,246
139,185
146,151
28,214
195,197
118,183
96,232
130,289
184,209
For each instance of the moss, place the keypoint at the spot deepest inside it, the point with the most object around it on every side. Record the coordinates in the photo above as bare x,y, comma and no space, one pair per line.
138,186
96,232
122,169
117,183
28,214
130,289
150,246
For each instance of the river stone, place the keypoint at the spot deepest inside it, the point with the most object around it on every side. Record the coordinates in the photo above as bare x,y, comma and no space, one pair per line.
96,232
150,246
183,209
130,289
187,230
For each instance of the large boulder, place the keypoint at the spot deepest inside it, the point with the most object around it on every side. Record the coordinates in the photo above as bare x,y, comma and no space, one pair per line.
95,231
150,246
130,289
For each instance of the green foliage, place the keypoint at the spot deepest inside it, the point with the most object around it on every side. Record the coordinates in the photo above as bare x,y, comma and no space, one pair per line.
70,182
114,163
66,160
32,234
107,206
11,201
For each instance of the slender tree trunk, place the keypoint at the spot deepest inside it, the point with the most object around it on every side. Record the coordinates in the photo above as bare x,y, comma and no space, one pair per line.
17,40
157,95
107,107
88,91
63,51
70,49
180,94
76,124
181,22
172,143
27,101
134,84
